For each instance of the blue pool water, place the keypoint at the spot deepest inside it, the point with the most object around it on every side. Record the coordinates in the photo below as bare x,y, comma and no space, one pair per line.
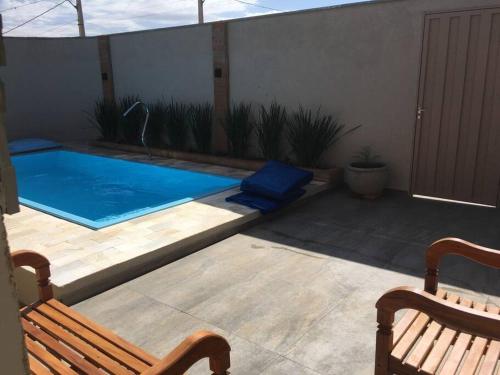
97,191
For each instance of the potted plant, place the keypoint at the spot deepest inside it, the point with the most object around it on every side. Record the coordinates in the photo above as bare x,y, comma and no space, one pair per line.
367,176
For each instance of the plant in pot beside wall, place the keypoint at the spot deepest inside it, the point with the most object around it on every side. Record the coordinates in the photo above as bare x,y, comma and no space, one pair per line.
367,176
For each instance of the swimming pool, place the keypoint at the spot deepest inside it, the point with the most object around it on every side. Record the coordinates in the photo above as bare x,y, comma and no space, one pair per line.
97,191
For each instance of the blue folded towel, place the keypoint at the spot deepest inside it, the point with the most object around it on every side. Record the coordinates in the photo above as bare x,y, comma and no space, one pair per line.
276,180
31,144
273,186
263,204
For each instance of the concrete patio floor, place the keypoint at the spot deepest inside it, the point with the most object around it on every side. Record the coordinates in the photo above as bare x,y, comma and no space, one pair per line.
296,295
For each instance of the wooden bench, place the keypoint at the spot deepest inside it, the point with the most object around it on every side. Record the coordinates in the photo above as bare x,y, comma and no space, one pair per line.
61,341
441,332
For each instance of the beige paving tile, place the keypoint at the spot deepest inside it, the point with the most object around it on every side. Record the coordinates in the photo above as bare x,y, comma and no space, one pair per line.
76,251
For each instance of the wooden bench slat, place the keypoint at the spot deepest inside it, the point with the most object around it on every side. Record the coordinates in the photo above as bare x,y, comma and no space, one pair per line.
63,351
476,350
36,367
444,341
93,355
437,354
456,355
491,359
411,335
402,326
424,346
104,332
95,340
453,298
459,348
403,347
46,358
399,368
474,357
492,355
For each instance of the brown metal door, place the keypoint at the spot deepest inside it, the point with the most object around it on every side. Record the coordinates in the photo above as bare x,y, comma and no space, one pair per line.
457,143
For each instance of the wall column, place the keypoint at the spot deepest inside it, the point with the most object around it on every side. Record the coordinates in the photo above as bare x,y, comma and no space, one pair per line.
221,85
108,86
8,185
13,356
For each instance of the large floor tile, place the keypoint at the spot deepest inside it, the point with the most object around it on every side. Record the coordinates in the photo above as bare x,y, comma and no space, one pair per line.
205,275
272,312
344,340
296,295
284,366
158,329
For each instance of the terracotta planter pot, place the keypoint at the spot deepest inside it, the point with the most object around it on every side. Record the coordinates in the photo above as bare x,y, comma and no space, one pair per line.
367,181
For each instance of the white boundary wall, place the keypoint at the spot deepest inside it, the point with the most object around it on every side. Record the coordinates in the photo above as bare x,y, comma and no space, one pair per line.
49,83
167,63
360,62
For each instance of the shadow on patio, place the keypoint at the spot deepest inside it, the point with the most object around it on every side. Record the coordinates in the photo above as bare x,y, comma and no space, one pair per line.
392,232
296,295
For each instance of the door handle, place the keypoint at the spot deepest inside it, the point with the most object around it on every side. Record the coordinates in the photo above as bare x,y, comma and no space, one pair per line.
420,112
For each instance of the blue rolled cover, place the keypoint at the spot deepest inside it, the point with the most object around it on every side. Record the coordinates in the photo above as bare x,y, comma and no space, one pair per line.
276,180
264,204
31,144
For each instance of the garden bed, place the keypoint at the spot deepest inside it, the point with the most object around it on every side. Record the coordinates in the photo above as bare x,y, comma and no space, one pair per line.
331,175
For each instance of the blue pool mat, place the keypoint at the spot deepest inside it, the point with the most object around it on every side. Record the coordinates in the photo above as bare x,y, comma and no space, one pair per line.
273,186
263,204
276,180
31,144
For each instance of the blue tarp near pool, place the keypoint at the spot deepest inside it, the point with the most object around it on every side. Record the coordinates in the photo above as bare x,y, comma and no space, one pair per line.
31,144
273,186
263,204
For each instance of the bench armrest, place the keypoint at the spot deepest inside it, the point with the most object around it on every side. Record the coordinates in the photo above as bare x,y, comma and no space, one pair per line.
42,270
458,317
202,344
456,246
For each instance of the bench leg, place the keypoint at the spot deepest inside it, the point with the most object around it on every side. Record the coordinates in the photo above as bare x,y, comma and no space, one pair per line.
384,342
220,364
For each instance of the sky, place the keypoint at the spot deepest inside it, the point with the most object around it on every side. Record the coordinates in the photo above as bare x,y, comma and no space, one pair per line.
112,16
